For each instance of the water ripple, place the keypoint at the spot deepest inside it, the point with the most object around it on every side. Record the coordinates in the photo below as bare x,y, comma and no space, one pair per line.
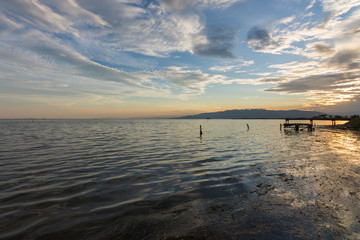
82,179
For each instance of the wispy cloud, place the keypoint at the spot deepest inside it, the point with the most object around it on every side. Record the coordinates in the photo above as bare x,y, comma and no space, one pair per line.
83,39
230,66
124,48
332,46
152,29
286,20
185,81
225,68
283,39
312,3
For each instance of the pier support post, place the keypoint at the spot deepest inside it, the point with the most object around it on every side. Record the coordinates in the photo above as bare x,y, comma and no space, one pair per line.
200,131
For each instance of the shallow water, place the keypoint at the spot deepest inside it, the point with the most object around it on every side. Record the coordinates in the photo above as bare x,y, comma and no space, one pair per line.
158,179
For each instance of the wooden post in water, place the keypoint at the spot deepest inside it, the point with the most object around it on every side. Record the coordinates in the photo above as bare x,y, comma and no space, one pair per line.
248,127
200,131
280,126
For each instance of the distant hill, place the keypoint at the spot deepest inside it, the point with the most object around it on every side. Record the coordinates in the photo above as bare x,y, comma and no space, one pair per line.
255,114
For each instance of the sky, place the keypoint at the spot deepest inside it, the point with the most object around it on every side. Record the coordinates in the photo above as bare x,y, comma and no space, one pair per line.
169,58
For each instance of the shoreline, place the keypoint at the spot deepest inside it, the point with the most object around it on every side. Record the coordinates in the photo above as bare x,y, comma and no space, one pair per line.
353,124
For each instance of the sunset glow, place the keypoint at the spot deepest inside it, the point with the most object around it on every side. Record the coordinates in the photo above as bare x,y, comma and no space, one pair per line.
168,58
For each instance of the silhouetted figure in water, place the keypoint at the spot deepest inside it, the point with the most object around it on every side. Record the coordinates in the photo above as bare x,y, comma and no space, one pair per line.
200,131
248,127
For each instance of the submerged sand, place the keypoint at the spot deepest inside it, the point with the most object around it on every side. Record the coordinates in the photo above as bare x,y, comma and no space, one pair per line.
308,197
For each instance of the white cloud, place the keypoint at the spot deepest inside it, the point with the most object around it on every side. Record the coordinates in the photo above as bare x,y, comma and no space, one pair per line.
50,41
158,29
186,81
220,3
342,20
36,15
339,7
51,45
331,45
321,84
286,20
312,3
227,67
223,68
180,79
150,30
187,5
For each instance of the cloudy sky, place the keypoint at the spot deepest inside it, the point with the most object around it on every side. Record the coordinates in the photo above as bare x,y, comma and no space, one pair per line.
159,58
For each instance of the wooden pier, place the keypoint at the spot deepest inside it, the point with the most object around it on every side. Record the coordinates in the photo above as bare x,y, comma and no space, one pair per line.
308,126
298,126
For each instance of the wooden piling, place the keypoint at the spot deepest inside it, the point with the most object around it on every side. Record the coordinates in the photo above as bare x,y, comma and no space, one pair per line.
200,131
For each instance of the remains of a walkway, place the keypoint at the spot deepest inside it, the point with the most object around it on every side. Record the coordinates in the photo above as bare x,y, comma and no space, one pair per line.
309,126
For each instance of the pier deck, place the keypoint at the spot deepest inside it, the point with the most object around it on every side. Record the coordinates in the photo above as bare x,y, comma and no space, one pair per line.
298,126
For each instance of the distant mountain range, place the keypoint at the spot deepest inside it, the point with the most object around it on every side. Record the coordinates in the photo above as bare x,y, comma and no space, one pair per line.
255,114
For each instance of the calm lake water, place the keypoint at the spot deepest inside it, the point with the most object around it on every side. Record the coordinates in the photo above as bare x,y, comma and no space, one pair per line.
158,179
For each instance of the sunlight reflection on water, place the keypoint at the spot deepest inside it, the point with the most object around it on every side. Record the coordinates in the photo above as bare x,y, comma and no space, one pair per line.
125,178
